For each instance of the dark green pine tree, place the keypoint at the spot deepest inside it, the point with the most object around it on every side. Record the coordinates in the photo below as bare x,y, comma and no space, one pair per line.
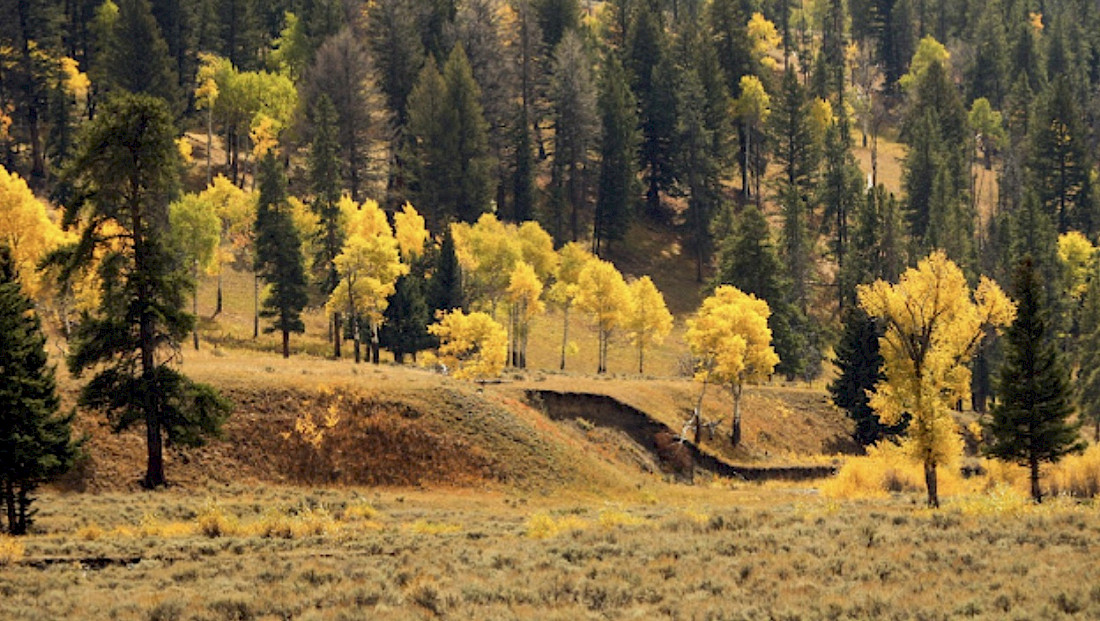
278,259
700,172
35,440
398,52
523,169
654,83
557,17
324,177
859,367
748,260
239,32
1059,163
137,59
841,196
988,74
616,193
124,175
405,330
1030,423
1088,357
471,175
445,287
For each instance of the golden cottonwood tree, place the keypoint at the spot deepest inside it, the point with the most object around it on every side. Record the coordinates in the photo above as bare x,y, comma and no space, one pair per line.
26,229
411,234
369,267
488,251
933,325
524,298
648,322
730,338
571,261
475,346
604,295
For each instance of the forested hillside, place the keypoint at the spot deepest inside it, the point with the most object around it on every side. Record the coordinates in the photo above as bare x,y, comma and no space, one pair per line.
436,174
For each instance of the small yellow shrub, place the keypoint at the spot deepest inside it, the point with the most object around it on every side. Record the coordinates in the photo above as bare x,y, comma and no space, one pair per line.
543,525
613,518
886,468
91,532
273,524
11,550
1003,499
359,511
213,522
1077,475
314,523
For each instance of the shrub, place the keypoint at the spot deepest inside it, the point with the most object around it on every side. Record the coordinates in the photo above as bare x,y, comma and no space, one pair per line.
1077,475
613,518
885,469
11,550
213,522
543,525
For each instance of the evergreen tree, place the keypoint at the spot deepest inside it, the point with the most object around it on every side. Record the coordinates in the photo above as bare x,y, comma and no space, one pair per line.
654,83
137,59
472,177
840,194
35,439
616,192
523,170
557,17
397,52
748,260
324,177
700,176
988,76
576,122
1059,161
239,32
1030,423
1088,357
445,287
279,255
859,366
405,329
123,176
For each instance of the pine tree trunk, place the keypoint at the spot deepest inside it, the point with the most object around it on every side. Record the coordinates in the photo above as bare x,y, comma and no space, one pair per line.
218,304
1036,491
931,482
9,500
286,343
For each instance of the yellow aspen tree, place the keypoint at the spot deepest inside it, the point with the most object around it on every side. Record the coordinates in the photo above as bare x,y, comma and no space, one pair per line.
571,260
524,298
648,322
753,108
206,95
196,232
1077,255
369,267
765,41
236,209
536,247
487,251
26,229
731,341
410,231
472,346
933,323
604,295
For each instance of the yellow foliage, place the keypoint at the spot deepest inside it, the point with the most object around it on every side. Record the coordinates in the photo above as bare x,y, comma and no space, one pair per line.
648,320
1077,475
524,291
410,232
11,550
754,105
487,251
572,258
475,346
536,247
886,468
765,39
1077,255
729,336
195,228
603,293
821,117
542,525
183,145
264,133
425,527
933,324
91,532
929,51
1036,21
613,518
360,511
76,82
26,229
213,522
369,264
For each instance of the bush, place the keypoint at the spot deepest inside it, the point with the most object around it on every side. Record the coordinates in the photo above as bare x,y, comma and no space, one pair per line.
11,550
1077,475
213,522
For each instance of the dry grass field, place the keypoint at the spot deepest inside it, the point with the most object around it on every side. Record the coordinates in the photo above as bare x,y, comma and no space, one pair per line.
721,551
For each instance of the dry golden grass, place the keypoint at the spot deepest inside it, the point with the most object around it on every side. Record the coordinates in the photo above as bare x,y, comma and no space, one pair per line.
745,551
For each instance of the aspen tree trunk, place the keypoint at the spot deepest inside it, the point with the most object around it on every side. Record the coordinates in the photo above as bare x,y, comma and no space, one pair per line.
735,431
565,344
337,335
255,305
195,307
931,482
218,303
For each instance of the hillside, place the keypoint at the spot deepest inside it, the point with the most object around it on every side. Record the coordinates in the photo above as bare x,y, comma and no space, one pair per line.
323,422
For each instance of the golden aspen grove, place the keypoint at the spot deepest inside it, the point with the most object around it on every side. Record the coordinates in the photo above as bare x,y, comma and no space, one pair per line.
549,309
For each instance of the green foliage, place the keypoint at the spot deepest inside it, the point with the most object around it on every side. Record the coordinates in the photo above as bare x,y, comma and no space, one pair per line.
1030,422
617,191
35,439
398,51
860,368
123,177
445,287
136,57
324,177
405,329
576,125
1059,163
279,260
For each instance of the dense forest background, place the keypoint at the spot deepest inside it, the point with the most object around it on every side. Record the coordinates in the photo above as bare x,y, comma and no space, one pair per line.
730,124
